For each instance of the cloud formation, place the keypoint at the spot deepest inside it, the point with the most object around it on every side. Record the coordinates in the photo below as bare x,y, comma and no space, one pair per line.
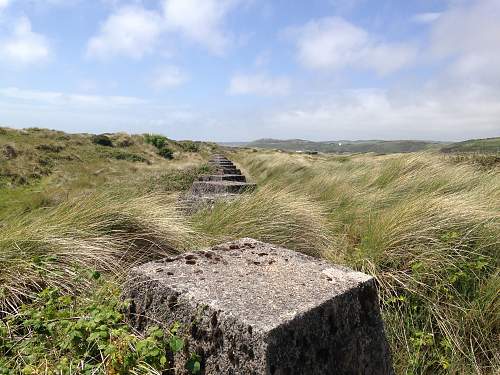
23,46
200,21
56,98
131,31
332,43
391,114
134,31
470,34
3,4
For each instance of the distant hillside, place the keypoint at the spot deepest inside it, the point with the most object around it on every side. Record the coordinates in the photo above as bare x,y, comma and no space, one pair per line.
343,146
233,144
486,145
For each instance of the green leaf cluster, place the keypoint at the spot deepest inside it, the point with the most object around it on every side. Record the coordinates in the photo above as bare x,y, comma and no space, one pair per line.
59,333
161,144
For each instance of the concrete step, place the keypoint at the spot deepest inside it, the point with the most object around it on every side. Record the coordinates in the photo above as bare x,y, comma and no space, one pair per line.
221,187
227,166
223,177
227,170
221,163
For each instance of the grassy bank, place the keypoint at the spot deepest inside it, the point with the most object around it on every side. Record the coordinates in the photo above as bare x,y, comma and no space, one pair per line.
78,205
426,227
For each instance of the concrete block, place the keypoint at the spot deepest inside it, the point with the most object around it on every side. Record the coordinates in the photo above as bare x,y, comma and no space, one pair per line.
218,158
223,177
247,307
222,164
227,170
220,187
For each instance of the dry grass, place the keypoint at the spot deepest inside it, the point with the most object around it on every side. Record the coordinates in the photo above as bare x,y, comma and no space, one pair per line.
272,214
426,228
100,231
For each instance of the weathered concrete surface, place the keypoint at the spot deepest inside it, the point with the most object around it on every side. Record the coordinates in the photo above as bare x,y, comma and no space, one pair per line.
221,187
252,308
223,177
221,161
227,170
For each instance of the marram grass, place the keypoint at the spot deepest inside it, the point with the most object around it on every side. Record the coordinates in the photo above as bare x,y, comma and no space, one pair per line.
427,228
101,231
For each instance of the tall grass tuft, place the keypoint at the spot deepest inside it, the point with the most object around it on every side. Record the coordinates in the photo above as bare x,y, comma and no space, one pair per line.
100,231
272,214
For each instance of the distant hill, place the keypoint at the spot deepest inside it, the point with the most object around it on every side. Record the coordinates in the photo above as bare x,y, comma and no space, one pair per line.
486,145
345,146
233,144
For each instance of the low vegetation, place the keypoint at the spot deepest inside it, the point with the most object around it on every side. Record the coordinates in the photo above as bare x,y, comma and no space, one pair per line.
343,146
75,215
63,334
484,146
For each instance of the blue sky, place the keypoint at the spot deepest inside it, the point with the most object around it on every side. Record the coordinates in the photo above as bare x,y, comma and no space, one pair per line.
232,70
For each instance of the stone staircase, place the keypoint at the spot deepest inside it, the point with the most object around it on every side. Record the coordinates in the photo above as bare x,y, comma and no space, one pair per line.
226,180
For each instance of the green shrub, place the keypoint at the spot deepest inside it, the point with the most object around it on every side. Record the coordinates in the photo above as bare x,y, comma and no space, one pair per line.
159,141
123,155
166,153
102,140
189,146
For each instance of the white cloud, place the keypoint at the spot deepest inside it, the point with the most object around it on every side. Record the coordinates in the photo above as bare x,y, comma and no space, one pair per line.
426,17
134,31
4,4
65,99
200,21
470,34
169,77
332,43
131,31
458,113
259,84
24,46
